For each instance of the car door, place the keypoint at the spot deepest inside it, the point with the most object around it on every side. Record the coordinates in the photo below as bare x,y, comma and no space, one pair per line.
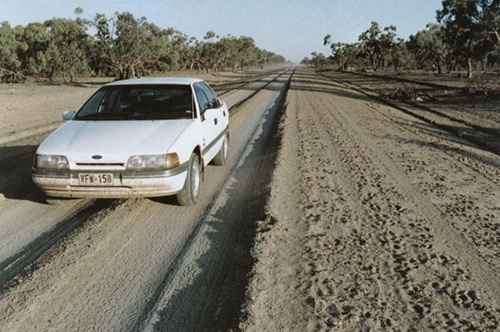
208,126
222,112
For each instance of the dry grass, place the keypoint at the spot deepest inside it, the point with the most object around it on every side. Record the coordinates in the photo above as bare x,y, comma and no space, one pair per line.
405,92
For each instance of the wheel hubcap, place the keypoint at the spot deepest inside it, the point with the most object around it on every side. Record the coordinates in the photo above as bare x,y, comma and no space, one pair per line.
225,148
195,179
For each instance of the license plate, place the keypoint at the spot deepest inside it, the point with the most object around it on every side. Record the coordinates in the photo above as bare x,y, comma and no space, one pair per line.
96,179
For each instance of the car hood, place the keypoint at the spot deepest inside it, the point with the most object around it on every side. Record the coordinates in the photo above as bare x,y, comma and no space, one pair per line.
113,140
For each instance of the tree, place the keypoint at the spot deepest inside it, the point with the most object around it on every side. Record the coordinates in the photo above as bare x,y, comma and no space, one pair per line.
122,45
34,58
490,18
399,54
344,54
209,35
429,47
175,54
327,40
10,50
99,58
129,45
305,61
377,44
387,44
67,49
319,60
245,51
471,28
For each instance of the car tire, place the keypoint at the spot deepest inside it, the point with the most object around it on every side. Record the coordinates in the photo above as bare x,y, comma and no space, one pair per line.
220,158
189,194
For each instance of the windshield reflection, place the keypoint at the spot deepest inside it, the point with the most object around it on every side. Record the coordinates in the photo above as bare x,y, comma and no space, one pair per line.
139,102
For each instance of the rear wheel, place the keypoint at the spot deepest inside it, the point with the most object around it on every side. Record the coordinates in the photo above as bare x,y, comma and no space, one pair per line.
189,194
220,158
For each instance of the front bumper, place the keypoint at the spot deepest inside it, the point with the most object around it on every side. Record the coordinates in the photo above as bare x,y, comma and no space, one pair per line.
65,183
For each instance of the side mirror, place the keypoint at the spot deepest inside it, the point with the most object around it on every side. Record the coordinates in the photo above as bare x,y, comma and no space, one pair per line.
211,113
69,115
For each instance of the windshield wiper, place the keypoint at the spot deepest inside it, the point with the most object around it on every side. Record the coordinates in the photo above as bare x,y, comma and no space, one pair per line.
162,116
139,115
104,116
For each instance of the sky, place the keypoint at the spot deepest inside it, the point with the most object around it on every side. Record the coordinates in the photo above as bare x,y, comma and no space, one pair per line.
292,28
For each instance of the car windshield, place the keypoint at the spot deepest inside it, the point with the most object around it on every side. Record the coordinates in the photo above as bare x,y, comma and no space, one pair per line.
139,102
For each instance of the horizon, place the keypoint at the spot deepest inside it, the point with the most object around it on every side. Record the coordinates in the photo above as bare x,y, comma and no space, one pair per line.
271,27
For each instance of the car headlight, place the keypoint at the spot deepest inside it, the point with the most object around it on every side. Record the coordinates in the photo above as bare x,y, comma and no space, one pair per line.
51,161
153,162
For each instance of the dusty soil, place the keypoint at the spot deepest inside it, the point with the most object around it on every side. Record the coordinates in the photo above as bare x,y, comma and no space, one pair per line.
349,214
377,221
138,264
466,107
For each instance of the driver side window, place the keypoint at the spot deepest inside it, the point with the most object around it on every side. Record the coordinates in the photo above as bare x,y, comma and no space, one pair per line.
202,99
214,101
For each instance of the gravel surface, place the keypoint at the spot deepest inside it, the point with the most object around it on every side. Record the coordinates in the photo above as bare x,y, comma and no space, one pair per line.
377,221
138,264
336,212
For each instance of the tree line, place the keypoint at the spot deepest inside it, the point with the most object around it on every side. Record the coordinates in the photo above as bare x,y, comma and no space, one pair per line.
122,46
466,35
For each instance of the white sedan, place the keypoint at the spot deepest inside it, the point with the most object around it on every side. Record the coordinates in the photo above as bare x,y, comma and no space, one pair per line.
146,137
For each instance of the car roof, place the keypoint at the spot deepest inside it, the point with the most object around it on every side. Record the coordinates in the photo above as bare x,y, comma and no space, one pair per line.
157,80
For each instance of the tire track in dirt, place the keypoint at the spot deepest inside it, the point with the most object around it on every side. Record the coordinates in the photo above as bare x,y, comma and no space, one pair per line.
447,236
468,119
467,191
243,194
19,264
227,88
120,254
483,163
477,135
375,258
16,183
462,195
450,238
275,296
366,197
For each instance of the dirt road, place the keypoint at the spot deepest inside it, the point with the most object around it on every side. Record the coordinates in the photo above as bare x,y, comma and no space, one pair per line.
377,221
336,212
137,264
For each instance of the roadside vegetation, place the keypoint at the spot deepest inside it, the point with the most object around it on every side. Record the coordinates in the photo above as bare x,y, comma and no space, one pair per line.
466,36
122,46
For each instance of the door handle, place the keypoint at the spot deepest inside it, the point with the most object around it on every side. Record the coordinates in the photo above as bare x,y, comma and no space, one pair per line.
215,122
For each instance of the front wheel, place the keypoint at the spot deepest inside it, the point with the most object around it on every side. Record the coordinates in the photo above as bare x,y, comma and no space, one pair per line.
189,194
220,158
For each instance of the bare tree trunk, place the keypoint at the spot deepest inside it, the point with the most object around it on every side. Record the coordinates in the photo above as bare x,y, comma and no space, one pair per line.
121,72
374,64
451,66
469,67
497,34
438,65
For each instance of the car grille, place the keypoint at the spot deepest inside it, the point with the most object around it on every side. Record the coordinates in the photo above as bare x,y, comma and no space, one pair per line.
100,164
